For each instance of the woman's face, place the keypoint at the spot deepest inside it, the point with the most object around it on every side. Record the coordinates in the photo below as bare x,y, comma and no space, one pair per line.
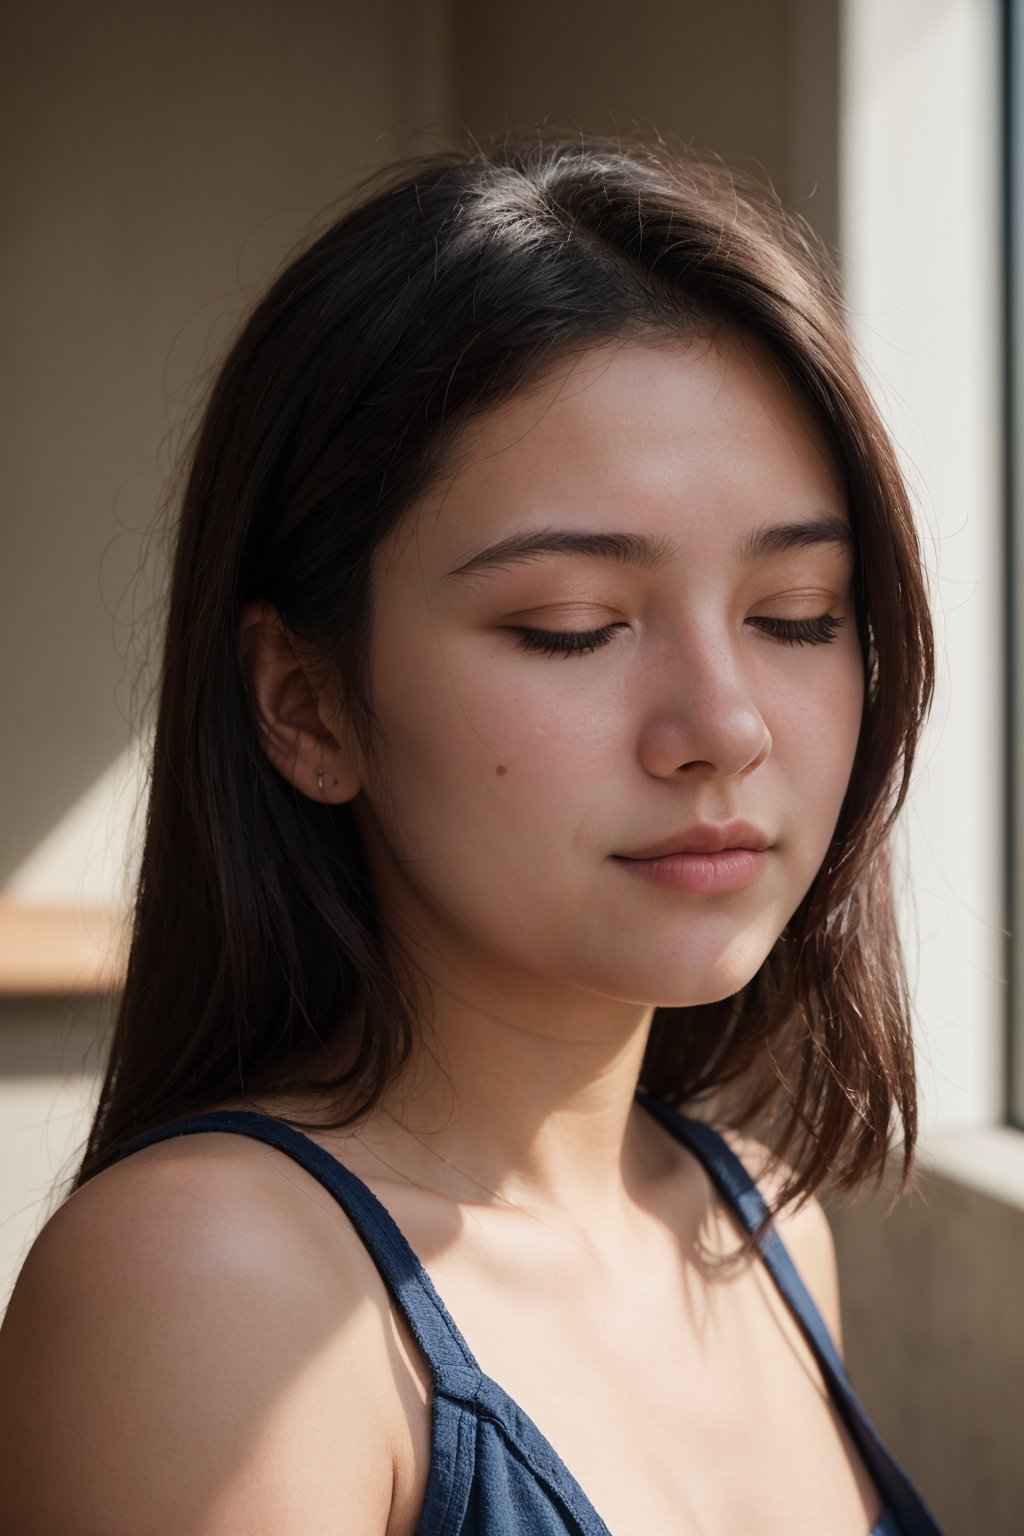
514,781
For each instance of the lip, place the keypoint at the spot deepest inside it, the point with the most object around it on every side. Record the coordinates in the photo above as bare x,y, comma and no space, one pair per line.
704,837
701,874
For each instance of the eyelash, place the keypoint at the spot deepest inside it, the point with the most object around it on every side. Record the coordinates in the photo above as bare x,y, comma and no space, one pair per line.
577,642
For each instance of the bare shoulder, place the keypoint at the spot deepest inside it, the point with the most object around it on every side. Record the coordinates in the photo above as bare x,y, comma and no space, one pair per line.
804,1228
172,1353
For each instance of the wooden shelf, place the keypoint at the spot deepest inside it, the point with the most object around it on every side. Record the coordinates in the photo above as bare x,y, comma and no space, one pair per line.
54,950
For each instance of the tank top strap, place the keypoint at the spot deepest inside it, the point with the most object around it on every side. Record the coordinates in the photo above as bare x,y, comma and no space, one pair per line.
453,1368
734,1181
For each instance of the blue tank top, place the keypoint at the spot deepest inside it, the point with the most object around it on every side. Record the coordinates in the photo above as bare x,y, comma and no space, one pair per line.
492,1472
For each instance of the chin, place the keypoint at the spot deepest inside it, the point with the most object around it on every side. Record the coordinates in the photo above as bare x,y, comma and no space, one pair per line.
712,982
697,999
688,994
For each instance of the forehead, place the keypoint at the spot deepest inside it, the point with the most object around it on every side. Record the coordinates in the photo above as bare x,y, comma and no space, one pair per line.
686,443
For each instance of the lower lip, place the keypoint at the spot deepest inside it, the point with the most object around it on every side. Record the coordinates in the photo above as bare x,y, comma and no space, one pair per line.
701,874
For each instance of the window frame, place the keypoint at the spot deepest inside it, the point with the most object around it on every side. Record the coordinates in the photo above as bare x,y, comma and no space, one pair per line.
1012,84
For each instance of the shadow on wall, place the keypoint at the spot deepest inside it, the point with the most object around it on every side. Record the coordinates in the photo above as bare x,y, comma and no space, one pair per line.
91,854
167,160
51,1054
934,1343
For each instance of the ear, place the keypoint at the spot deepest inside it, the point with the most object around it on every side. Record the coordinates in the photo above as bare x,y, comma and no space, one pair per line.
290,711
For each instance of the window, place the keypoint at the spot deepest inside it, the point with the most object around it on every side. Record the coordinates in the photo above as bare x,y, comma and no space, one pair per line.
1013,124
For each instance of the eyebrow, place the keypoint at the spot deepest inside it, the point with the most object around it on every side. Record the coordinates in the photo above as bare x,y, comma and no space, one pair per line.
641,549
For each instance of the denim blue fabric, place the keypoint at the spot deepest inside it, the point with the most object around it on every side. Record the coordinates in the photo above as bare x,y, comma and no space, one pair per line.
492,1472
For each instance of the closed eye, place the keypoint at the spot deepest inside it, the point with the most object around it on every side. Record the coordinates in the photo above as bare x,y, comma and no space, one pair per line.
577,642
567,642
817,631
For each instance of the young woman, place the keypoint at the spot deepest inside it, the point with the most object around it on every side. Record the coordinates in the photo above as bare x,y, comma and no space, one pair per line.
546,656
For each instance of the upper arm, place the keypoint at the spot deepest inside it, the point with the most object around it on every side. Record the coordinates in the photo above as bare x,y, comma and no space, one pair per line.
171,1361
805,1231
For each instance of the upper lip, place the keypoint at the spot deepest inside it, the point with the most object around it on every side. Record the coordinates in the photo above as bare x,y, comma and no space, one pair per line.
704,837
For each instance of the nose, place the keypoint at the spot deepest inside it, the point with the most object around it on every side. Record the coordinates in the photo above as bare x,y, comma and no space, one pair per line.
700,712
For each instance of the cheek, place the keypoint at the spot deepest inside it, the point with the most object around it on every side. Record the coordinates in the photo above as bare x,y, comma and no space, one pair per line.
817,741
846,712
482,755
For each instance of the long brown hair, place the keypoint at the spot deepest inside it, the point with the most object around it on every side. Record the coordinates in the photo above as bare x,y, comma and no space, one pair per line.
452,281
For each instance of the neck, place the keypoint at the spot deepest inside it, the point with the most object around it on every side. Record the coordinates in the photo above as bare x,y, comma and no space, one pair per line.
531,1098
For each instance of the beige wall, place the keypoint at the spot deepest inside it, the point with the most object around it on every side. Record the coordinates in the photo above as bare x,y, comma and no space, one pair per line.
159,161
609,67
753,81
51,1057
935,1346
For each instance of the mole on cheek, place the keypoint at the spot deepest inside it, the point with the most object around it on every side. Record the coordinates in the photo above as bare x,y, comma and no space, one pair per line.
501,769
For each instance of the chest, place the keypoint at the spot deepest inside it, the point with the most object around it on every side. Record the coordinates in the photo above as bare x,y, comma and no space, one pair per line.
680,1405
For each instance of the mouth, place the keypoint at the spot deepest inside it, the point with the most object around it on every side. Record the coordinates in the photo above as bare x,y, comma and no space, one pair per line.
705,838
718,873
